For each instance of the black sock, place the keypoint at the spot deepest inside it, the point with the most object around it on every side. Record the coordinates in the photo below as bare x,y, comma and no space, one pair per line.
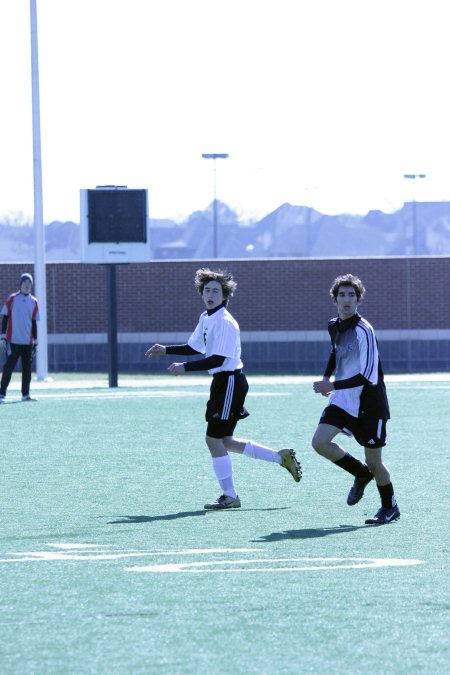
353,466
387,496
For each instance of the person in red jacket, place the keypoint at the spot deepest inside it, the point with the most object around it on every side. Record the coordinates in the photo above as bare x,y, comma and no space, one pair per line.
18,337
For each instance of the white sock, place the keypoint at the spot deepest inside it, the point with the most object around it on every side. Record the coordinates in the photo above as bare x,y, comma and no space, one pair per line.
261,452
223,469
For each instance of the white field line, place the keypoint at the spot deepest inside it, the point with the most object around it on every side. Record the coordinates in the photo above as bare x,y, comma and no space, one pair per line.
199,385
83,552
189,381
307,564
96,552
116,394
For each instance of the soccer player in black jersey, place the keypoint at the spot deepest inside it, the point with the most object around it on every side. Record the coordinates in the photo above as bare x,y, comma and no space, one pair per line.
358,404
217,337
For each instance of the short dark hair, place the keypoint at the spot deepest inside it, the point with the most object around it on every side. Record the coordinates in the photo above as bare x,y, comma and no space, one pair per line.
204,275
347,280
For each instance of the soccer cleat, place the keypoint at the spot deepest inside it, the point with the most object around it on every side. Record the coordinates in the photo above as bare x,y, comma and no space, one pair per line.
384,516
25,399
224,502
357,489
291,463
2,398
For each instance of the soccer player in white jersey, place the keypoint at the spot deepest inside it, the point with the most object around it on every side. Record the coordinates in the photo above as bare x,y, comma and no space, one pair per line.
217,336
19,335
358,404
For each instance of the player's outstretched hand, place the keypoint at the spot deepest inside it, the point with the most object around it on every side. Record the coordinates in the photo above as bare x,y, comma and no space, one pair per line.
176,368
3,344
156,350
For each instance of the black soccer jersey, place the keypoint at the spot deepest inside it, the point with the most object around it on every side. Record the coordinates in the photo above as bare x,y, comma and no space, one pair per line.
359,379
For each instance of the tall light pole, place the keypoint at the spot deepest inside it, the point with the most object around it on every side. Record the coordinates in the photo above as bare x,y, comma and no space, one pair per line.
214,156
413,176
409,309
39,234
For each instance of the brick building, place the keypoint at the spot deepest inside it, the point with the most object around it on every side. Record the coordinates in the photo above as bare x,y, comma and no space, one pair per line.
282,306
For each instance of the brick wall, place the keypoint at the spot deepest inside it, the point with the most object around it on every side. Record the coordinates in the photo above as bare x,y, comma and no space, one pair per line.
272,295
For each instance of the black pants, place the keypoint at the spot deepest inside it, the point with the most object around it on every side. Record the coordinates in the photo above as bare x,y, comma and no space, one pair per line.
24,353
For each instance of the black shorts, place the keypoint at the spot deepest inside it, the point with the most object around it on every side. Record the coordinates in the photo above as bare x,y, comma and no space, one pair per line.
368,431
226,403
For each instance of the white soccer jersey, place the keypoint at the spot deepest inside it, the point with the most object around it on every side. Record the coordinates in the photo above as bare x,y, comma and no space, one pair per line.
22,310
356,353
219,334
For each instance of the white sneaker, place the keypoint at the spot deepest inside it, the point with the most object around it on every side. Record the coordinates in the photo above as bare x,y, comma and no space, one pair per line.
25,399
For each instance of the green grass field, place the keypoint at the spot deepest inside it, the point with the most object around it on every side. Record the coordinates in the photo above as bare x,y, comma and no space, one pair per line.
109,564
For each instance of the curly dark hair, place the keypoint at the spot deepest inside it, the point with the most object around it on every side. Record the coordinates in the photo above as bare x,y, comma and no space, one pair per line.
348,280
204,275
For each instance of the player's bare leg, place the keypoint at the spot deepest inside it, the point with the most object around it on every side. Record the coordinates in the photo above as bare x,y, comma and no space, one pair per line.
324,445
376,467
389,511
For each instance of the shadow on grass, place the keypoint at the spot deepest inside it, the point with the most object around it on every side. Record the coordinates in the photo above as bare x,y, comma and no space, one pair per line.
153,519
130,520
308,533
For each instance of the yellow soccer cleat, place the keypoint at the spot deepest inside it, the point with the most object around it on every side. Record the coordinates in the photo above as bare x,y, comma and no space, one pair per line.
291,463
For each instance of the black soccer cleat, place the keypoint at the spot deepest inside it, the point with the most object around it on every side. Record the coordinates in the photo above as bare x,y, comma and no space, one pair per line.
384,516
224,502
357,490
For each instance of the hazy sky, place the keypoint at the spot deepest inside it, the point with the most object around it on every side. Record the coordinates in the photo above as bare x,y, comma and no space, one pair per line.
319,102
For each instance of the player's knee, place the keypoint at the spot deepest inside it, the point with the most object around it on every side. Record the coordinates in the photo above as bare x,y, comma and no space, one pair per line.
215,445
372,465
378,470
374,462
319,444
230,443
210,442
